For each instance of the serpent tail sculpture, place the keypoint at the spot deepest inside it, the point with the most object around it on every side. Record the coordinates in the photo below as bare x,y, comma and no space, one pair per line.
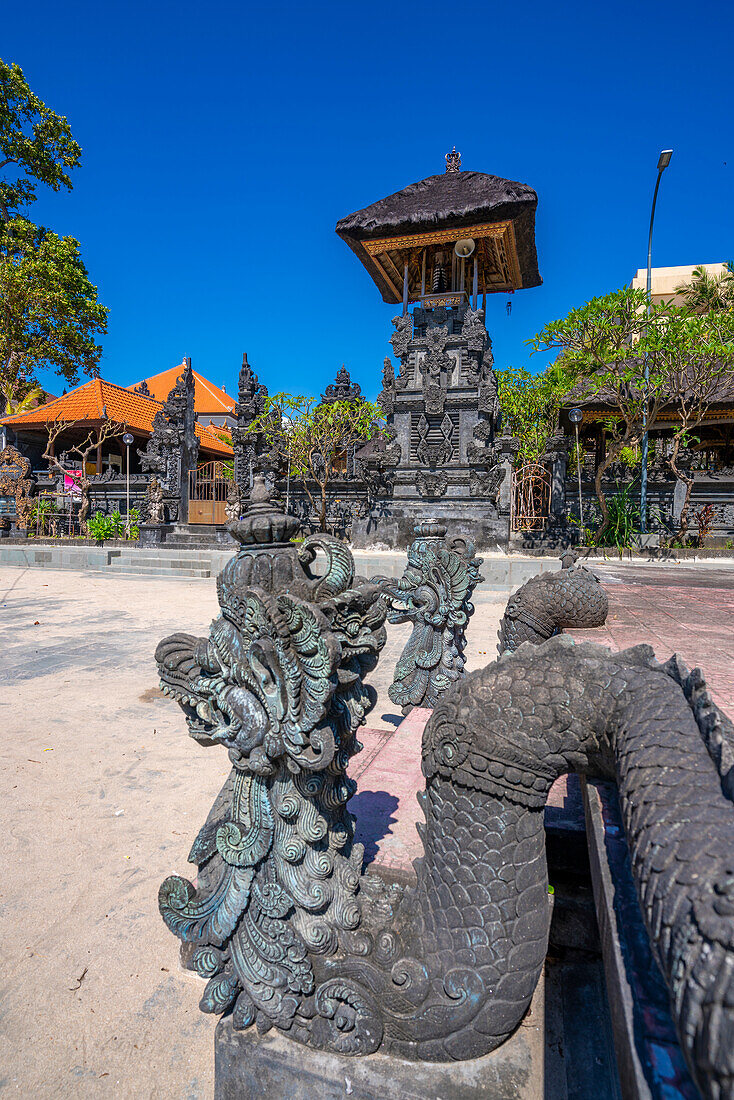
289,931
541,608
434,594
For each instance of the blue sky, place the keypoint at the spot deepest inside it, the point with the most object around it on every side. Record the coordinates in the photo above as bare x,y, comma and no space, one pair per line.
222,141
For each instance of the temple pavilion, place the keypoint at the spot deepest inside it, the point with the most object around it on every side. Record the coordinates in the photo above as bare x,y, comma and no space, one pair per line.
85,409
440,246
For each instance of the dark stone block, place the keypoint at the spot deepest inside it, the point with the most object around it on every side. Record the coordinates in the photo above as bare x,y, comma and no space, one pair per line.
395,525
249,1066
154,534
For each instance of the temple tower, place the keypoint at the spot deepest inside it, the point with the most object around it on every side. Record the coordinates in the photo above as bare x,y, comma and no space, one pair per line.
441,246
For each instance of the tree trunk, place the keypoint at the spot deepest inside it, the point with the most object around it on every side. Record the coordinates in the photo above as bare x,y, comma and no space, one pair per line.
688,482
84,506
323,485
607,461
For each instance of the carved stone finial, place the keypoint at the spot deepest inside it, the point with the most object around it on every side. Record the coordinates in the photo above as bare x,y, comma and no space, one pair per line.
264,521
453,161
342,389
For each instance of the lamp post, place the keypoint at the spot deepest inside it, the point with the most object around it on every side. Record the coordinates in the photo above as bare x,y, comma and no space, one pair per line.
575,416
127,439
663,162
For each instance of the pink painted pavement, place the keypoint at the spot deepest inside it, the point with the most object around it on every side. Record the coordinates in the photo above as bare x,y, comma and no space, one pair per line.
695,622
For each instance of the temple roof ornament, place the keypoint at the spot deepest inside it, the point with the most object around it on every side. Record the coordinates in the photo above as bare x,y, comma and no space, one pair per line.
453,161
342,389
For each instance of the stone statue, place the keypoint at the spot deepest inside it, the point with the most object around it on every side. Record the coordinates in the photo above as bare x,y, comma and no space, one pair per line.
232,507
544,605
16,480
156,505
288,930
434,594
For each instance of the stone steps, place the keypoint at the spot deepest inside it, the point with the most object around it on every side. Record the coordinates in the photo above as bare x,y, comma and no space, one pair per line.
153,571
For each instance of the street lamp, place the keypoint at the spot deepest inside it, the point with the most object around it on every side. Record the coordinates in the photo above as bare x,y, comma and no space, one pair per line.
575,416
127,439
663,162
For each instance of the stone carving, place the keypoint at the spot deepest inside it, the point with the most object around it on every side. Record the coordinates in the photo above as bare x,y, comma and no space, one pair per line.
155,502
342,389
435,454
375,463
479,451
402,336
436,367
386,397
16,480
107,476
288,931
474,332
173,447
434,594
544,605
143,389
487,484
233,507
489,402
431,484
249,447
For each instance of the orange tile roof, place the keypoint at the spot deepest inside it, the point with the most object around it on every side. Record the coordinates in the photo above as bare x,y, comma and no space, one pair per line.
209,400
97,400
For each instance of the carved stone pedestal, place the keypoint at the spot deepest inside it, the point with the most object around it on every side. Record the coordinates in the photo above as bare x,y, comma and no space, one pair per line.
250,1067
154,534
394,526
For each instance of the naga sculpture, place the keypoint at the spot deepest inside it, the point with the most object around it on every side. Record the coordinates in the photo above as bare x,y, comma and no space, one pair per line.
544,605
434,594
283,923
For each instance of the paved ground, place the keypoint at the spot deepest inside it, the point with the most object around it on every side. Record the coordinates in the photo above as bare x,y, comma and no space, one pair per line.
684,609
101,793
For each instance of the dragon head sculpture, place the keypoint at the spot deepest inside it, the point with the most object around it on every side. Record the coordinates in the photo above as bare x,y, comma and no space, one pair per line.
434,594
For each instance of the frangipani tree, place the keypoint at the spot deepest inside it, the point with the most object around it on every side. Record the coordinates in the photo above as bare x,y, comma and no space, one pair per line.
636,359
311,439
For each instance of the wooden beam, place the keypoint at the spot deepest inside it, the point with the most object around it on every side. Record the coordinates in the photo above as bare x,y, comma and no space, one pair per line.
439,236
395,270
386,277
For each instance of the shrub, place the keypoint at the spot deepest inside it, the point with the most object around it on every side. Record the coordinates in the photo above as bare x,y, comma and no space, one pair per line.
100,526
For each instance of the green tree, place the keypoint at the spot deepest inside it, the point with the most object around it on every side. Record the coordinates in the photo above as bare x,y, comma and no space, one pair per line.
50,316
312,439
36,145
11,403
635,362
530,405
699,349
707,293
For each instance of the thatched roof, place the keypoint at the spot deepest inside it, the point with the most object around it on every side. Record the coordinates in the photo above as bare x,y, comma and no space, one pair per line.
448,201
719,392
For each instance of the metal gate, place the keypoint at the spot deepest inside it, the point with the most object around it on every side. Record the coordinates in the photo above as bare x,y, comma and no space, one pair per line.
531,490
208,489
